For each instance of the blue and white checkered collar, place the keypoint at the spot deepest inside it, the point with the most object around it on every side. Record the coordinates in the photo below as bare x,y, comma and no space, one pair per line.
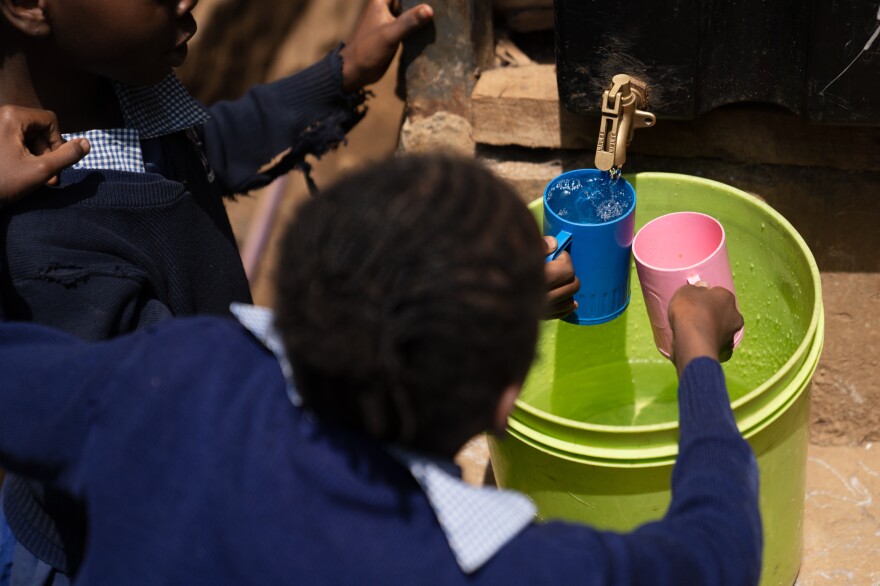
149,112
477,522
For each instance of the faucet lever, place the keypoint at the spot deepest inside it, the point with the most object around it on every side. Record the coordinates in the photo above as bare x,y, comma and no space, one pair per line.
620,118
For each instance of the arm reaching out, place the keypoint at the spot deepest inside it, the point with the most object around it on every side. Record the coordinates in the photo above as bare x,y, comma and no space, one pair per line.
712,532
32,152
703,323
271,129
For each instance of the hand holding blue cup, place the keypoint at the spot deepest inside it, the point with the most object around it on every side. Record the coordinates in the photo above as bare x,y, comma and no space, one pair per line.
593,217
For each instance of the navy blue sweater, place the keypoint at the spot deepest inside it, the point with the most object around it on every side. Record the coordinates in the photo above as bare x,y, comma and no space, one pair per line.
106,252
195,468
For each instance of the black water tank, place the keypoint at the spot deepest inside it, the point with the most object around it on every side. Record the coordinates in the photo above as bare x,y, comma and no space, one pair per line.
697,55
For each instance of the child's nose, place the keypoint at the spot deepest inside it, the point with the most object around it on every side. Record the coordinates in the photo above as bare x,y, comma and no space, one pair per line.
185,6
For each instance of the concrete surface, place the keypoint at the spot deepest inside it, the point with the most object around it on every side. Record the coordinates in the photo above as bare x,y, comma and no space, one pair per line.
841,516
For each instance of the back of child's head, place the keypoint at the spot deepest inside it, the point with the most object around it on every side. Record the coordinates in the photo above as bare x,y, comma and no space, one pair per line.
409,295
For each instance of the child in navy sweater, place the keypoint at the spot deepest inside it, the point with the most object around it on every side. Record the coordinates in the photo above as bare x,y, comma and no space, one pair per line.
137,231
315,447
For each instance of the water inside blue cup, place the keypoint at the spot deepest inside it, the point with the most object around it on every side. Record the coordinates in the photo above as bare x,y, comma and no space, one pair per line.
595,200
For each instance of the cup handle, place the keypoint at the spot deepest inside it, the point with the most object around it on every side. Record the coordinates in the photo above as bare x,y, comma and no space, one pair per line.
563,240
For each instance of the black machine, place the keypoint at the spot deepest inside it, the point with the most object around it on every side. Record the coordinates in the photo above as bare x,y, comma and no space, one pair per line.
819,59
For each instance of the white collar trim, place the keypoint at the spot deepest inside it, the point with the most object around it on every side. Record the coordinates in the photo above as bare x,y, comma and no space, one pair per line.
477,521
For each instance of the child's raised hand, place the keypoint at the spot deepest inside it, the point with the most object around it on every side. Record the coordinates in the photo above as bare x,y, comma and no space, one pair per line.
562,283
378,34
32,152
703,323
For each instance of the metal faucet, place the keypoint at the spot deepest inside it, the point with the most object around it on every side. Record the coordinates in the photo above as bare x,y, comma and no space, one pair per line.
620,118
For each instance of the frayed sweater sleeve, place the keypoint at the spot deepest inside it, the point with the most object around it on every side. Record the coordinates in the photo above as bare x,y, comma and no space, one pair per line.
251,141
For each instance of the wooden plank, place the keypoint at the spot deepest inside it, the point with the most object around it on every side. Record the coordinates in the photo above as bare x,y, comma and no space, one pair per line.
520,106
750,133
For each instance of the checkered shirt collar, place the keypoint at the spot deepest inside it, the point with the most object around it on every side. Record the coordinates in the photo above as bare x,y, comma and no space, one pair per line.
149,112
477,522
161,109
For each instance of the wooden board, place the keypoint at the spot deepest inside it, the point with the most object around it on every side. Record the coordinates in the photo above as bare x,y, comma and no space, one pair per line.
520,106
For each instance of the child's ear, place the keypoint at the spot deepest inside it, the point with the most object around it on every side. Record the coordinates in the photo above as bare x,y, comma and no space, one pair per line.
28,16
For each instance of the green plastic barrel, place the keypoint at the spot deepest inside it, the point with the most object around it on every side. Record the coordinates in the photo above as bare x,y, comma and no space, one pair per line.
594,434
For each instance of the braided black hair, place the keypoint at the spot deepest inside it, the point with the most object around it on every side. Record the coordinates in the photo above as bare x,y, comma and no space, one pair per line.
408,300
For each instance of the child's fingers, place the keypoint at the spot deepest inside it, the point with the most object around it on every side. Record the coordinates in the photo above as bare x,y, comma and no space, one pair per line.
40,127
409,22
559,272
46,166
392,5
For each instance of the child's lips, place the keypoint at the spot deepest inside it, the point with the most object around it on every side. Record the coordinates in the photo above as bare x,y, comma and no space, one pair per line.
177,56
187,30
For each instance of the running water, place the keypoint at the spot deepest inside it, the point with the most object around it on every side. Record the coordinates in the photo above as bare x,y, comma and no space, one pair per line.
592,201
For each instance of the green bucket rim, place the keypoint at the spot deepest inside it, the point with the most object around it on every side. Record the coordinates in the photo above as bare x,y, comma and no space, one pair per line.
657,443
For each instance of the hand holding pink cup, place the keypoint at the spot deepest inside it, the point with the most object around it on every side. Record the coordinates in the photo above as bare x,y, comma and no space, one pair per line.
675,250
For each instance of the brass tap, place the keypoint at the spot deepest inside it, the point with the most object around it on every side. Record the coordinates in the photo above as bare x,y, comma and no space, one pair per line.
620,118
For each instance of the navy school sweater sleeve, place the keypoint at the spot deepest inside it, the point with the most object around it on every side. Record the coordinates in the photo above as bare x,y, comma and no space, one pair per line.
272,128
711,533
44,402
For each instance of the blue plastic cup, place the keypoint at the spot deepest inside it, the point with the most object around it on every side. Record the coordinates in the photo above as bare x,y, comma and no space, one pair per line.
600,252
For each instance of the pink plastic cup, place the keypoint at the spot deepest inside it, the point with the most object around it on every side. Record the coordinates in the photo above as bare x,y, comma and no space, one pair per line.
672,251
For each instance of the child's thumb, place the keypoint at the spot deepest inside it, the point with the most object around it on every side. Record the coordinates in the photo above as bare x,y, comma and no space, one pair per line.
50,163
